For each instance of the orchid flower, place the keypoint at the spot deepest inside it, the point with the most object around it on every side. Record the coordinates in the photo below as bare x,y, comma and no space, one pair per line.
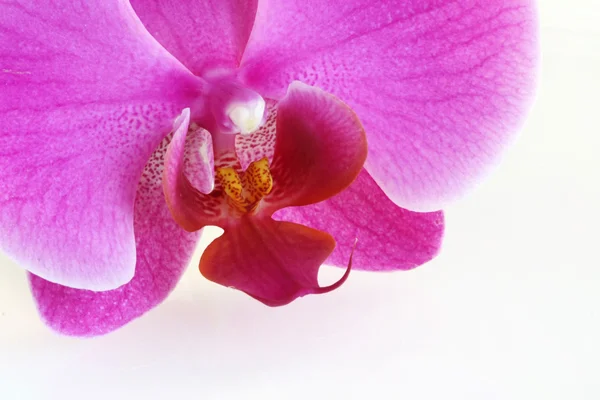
126,127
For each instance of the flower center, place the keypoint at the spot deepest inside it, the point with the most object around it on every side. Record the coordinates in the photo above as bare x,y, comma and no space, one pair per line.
232,108
247,117
246,191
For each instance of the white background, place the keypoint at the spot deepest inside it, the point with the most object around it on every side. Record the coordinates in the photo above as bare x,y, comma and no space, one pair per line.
510,310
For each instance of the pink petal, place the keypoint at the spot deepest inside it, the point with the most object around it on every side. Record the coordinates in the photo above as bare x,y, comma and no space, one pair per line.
320,148
202,34
163,252
440,86
87,95
274,262
189,207
389,237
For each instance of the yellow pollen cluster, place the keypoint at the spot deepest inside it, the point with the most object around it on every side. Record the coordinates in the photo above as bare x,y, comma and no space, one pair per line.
246,191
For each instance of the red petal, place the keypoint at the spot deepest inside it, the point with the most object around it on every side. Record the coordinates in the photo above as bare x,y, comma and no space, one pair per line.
272,261
320,148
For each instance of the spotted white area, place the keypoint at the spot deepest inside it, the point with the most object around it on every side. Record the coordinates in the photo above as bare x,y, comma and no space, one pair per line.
260,144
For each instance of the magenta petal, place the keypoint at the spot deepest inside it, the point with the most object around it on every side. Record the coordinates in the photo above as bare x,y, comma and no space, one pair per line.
389,237
87,95
441,87
272,261
202,34
163,252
